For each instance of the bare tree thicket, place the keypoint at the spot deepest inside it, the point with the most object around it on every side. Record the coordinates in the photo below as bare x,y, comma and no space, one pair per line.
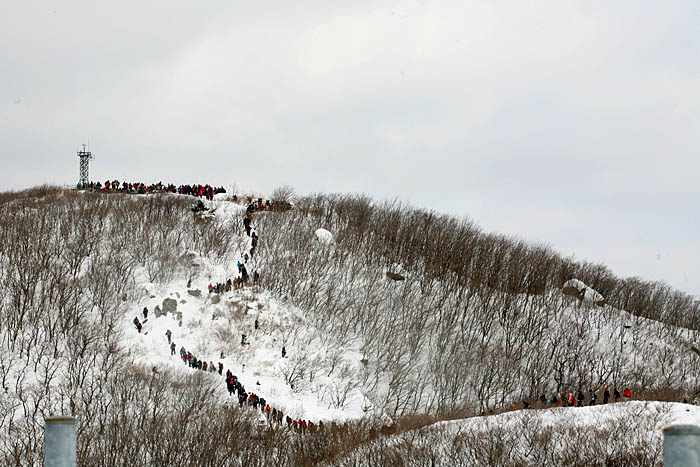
528,438
477,323
480,320
67,265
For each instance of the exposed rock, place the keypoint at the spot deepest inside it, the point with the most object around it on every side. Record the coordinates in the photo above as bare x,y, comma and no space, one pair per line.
195,292
169,305
158,312
574,288
216,298
592,295
577,289
189,259
395,277
324,237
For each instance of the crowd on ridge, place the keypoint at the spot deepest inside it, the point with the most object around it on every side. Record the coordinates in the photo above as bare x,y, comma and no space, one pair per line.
203,191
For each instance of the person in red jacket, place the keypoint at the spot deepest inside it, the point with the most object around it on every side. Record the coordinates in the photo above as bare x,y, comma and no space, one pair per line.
627,393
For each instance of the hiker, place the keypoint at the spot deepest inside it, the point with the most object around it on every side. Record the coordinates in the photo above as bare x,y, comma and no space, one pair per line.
616,394
172,348
221,367
246,225
137,323
256,323
593,397
627,393
579,398
145,313
284,352
606,395
168,334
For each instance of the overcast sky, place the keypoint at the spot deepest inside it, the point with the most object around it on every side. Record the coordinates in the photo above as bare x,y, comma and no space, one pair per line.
572,123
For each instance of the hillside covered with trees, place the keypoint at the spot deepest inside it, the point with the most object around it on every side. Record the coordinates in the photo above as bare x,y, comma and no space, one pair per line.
400,318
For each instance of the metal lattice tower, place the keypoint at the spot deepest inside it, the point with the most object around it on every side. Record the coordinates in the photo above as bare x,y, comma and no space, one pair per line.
85,155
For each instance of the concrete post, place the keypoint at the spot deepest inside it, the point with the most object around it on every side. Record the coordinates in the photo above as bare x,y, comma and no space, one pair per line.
682,446
60,442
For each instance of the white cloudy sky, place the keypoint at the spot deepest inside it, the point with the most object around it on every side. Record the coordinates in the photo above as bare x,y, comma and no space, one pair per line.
573,123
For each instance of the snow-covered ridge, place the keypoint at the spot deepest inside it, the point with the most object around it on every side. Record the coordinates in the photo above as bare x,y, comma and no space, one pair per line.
627,433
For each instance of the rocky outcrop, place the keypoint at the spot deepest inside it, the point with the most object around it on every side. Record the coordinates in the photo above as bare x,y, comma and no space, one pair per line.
583,293
169,305
394,276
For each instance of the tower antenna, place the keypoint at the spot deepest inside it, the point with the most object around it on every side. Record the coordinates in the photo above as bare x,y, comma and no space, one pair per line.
85,156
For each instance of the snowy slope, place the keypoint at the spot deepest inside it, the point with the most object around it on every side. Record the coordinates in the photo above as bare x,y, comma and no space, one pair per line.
213,324
323,371
615,434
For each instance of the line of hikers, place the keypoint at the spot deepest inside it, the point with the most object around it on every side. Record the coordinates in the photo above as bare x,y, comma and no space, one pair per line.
577,400
266,205
273,415
223,287
204,191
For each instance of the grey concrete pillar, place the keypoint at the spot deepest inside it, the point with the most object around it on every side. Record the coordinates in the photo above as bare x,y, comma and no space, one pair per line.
682,446
59,442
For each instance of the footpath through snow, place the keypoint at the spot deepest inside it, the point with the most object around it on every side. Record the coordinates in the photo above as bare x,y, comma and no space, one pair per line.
211,326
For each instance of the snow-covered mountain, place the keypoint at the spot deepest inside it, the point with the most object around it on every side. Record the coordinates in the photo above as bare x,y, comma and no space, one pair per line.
387,316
